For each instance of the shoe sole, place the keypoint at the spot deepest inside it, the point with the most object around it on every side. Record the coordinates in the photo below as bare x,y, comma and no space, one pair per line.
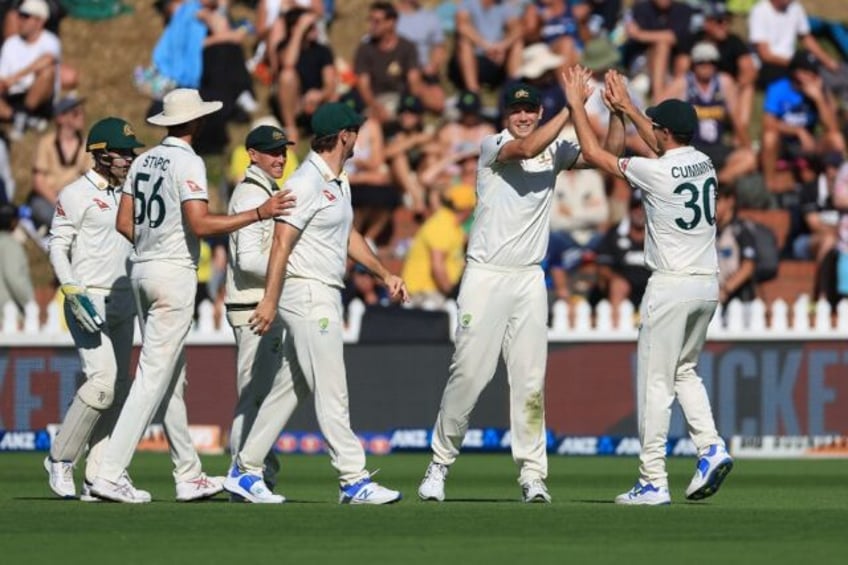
63,496
370,502
201,497
538,500
642,503
105,498
714,481
424,498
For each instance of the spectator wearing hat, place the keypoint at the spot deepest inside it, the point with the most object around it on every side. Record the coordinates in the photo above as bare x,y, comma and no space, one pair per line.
557,24
794,107
29,63
464,134
423,28
488,44
386,66
60,158
305,69
774,28
716,100
660,29
620,258
258,360
436,257
735,57
406,151
15,283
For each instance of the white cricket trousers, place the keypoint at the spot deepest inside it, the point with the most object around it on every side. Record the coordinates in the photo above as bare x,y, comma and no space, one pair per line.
501,312
313,360
259,363
105,363
165,300
675,314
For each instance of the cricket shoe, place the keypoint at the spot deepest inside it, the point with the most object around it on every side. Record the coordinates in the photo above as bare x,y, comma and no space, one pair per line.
535,491
120,491
61,477
86,495
366,491
432,486
249,488
711,470
644,494
199,489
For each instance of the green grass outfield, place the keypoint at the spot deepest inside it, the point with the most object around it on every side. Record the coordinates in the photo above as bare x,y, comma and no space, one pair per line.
767,512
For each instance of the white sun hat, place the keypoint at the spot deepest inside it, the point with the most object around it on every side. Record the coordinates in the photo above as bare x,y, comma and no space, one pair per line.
537,59
35,8
183,105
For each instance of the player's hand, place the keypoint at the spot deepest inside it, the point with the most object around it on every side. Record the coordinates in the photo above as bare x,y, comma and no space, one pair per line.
263,317
82,307
576,81
397,288
278,205
617,88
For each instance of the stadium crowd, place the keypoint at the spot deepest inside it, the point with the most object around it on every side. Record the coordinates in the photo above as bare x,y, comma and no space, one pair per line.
772,105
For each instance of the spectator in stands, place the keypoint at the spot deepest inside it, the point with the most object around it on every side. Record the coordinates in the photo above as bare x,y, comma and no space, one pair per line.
715,98
794,106
386,65
839,278
60,158
7,180
488,44
466,133
436,257
306,75
603,18
737,253
406,152
735,57
423,28
622,273
29,63
15,284
660,30
556,23
819,215
774,26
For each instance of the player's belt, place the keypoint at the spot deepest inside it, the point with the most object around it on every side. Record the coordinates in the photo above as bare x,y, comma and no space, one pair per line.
241,307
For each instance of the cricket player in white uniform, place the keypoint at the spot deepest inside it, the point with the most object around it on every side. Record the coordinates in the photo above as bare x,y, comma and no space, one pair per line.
503,305
164,211
309,253
679,192
91,262
259,358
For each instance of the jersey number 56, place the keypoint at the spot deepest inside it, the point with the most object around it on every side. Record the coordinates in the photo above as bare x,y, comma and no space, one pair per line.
148,208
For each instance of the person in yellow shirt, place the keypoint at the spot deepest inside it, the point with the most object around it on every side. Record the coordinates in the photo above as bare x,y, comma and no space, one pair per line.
436,257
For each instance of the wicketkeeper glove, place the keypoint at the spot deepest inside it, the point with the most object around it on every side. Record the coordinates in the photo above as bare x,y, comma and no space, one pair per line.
82,307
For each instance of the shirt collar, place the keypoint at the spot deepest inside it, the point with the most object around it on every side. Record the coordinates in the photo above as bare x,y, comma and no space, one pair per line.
678,150
259,175
172,141
97,180
324,169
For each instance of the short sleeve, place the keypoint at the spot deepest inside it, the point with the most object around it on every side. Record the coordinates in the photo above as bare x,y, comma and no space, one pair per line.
803,22
491,147
773,98
438,238
757,29
309,202
191,181
637,171
566,154
361,60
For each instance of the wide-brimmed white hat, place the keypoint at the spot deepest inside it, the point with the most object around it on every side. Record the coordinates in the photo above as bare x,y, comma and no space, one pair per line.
36,8
183,105
537,59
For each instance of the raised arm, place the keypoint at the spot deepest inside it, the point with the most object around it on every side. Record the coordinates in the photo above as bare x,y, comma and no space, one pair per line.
621,100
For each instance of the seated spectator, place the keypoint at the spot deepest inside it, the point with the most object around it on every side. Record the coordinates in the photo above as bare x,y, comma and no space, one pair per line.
436,257
267,15
737,252
622,274
794,106
819,215
661,30
602,20
423,28
836,285
29,63
578,216
556,23
465,134
306,76
386,65
715,98
60,158
15,284
735,57
774,27
406,152
7,180
488,44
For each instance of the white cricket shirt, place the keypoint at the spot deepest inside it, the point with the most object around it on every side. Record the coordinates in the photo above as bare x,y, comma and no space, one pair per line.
324,216
512,218
160,180
85,247
679,195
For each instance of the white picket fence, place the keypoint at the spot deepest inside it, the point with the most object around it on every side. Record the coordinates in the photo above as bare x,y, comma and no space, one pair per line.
577,323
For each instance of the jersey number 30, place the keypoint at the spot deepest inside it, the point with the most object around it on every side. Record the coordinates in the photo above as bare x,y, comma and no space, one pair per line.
150,208
701,202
